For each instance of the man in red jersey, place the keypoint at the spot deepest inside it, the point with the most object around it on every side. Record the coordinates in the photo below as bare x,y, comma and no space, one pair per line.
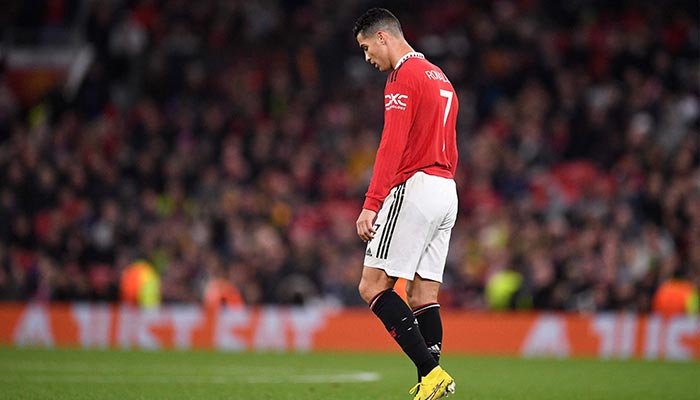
411,204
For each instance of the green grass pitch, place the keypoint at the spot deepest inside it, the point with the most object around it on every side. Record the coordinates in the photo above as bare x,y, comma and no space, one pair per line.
109,374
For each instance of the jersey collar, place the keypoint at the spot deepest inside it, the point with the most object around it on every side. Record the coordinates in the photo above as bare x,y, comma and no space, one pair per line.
412,54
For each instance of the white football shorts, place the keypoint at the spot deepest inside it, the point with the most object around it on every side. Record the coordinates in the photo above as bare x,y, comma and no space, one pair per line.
413,228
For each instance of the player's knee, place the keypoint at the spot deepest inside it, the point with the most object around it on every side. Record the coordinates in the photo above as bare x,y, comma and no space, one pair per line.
410,295
417,296
415,301
367,291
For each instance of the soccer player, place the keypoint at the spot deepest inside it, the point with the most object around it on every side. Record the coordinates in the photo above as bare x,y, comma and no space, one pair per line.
411,204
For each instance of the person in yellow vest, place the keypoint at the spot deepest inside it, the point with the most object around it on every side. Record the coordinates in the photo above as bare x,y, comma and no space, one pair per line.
676,296
140,285
505,291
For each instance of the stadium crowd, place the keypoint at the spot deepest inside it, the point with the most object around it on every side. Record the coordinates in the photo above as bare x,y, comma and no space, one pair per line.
236,139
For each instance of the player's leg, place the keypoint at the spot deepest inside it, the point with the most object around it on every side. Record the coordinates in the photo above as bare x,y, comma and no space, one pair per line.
376,288
406,225
422,292
373,282
422,295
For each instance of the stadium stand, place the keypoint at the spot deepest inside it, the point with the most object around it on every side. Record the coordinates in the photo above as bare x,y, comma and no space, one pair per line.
238,137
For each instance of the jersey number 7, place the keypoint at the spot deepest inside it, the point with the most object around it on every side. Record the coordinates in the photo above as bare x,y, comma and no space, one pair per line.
448,95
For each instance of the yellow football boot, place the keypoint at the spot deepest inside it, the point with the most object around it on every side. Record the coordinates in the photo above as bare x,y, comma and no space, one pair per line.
436,385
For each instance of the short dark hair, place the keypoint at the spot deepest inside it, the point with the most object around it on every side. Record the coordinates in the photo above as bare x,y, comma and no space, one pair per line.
375,19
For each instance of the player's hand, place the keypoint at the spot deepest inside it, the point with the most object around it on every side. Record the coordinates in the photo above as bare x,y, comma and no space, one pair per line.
365,225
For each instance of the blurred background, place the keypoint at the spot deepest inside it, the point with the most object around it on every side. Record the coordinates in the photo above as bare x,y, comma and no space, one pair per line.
213,151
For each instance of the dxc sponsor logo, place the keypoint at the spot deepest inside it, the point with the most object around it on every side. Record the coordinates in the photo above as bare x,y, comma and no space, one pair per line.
395,100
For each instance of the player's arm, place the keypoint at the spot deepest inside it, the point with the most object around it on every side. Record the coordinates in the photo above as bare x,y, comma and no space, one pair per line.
399,112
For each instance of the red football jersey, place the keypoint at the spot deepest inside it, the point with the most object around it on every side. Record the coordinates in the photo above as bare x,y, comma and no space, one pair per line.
420,115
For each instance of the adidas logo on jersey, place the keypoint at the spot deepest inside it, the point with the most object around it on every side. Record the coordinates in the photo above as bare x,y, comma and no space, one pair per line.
368,252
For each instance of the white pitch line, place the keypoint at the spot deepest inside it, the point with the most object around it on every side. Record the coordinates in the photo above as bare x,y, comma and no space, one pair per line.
352,377
344,377
118,379
69,366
